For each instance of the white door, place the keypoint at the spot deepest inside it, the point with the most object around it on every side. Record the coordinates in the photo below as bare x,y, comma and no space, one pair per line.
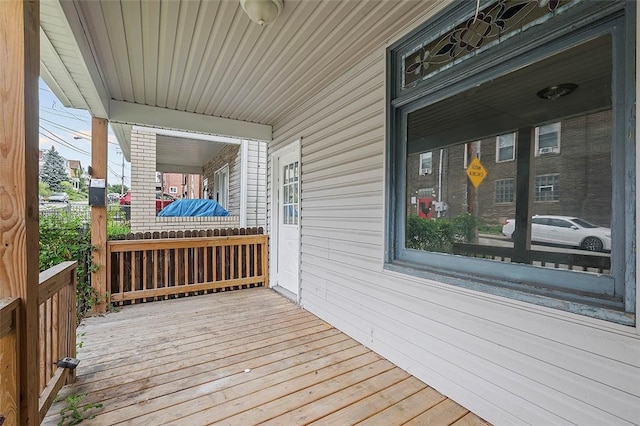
288,219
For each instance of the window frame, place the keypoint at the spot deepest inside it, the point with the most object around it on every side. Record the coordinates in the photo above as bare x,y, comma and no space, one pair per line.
513,156
556,150
173,190
221,189
513,186
423,155
555,184
573,27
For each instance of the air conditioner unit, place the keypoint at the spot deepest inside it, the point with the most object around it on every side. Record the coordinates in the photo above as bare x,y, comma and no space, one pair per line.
548,150
425,171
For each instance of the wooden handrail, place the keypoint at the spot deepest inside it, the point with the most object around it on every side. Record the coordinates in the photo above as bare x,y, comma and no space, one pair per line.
7,315
178,243
54,278
57,323
601,262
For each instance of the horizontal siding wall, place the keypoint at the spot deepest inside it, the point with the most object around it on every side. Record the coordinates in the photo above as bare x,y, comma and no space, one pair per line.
508,361
256,183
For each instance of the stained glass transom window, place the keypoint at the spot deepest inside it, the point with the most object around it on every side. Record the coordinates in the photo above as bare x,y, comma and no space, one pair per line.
490,24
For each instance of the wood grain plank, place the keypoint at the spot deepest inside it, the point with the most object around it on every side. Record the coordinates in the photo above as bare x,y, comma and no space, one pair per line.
343,399
9,396
197,411
370,405
99,214
226,375
20,53
470,419
406,409
444,413
185,364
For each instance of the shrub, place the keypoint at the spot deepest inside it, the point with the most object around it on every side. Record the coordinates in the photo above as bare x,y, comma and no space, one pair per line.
439,235
65,237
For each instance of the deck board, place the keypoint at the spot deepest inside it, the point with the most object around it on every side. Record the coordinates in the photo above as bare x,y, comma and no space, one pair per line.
239,358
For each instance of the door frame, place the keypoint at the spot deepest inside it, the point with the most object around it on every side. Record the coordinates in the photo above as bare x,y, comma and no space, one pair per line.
274,216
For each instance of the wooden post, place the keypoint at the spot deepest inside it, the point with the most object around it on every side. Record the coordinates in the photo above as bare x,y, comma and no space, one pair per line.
99,213
19,71
524,195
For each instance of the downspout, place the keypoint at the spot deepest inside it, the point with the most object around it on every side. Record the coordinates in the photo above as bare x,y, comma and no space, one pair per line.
244,177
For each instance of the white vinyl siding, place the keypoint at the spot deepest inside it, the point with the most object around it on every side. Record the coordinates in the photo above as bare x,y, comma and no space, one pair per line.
257,184
508,361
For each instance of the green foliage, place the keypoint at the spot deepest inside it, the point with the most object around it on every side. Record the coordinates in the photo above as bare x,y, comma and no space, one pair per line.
75,412
64,237
490,229
466,228
439,235
115,224
429,235
43,189
115,188
53,170
72,193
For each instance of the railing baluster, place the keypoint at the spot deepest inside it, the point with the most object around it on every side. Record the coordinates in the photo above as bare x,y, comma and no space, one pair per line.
57,324
191,264
42,344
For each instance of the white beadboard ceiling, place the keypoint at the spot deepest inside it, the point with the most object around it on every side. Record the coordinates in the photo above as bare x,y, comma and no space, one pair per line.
206,57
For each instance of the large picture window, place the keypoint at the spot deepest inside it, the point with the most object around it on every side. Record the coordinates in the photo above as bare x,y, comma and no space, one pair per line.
491,224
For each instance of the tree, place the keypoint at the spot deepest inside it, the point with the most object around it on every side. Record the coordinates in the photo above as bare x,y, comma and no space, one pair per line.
115,188
53,170
43,189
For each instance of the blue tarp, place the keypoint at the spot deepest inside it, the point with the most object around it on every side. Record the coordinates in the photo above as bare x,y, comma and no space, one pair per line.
193,208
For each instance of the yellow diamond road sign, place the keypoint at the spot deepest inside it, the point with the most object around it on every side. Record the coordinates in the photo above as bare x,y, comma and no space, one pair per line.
476,172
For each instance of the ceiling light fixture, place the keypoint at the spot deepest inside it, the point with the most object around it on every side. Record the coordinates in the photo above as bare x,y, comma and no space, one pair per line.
554,92
262,12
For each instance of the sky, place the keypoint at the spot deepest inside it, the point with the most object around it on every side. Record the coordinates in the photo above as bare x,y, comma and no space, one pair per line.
60,126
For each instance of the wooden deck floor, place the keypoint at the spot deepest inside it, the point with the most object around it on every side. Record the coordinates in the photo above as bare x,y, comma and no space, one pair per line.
240,358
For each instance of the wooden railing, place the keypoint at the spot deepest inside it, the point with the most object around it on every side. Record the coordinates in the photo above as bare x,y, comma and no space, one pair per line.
588,262
9,398
162,265
58,319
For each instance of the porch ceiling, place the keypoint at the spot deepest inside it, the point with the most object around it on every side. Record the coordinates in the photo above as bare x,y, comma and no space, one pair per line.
183,155
206,58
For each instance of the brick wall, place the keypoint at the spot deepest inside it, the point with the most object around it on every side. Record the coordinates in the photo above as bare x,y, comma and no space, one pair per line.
230,155
143,193
583,166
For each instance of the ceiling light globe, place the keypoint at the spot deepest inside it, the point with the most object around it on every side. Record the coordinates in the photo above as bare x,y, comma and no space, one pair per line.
262,11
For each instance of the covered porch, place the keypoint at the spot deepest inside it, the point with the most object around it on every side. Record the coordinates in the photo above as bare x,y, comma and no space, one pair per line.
242,357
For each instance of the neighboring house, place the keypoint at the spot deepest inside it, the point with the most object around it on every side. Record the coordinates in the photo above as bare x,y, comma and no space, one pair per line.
75,172
181,185
225,173
188,165
348,95
572,173
73,169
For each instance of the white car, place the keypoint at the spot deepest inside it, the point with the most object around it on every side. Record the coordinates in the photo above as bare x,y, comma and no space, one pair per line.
59,197
566,231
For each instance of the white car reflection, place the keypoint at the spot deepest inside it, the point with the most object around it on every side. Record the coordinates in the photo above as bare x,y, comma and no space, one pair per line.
566,231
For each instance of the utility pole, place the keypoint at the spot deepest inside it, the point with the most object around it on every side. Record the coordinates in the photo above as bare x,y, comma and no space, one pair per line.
122,177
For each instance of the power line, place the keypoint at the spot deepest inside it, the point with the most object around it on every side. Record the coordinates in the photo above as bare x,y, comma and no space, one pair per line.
70,130
62,113
72,147
61,141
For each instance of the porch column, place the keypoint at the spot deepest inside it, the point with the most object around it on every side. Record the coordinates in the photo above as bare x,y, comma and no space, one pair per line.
19,71
99,140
